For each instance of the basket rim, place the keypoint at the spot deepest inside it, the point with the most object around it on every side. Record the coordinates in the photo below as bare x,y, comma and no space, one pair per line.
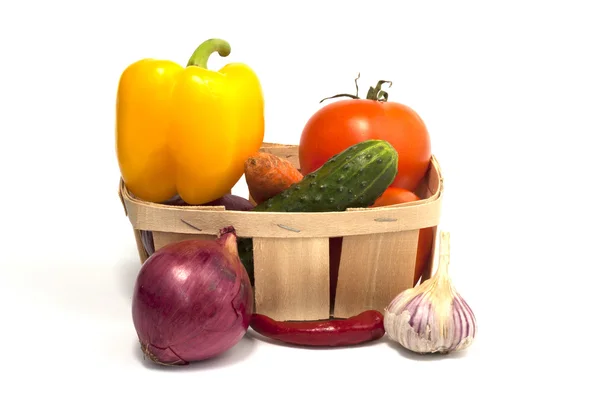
145,215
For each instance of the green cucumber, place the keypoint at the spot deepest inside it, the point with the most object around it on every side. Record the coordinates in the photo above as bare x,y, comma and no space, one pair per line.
356,177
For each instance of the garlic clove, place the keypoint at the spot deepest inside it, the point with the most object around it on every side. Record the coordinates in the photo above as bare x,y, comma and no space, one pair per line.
432,317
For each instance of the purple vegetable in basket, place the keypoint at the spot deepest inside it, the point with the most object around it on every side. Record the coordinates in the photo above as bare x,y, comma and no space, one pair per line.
176,201
147,242
230,201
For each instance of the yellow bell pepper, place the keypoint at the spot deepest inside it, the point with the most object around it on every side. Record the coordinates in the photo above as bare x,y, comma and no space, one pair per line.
187,131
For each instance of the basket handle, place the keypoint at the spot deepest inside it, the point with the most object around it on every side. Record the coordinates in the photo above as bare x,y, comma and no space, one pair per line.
121,184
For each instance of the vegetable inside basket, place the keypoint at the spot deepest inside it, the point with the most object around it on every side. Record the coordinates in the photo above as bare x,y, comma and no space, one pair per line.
293,251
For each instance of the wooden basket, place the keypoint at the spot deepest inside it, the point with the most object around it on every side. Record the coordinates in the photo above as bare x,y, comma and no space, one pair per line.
291,250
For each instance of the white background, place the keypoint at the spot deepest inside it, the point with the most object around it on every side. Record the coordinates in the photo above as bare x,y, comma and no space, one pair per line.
510,92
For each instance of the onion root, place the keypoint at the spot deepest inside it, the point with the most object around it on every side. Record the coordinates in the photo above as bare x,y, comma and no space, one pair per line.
148,353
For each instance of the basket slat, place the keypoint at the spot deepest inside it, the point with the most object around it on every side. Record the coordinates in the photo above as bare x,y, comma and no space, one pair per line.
273,224
292,278
418,214
373,270
427,271
140,246
161,239
286,151
430,184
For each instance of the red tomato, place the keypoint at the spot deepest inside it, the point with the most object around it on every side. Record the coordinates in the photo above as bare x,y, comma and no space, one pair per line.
341,124
393,195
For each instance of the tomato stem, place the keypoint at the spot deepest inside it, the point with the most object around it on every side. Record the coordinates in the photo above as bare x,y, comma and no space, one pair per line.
356,83
341,95
374,93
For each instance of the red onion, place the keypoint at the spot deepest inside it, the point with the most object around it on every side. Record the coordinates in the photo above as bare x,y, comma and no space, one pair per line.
192,300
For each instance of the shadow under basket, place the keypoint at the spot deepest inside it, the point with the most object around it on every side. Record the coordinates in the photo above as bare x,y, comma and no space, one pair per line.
293,251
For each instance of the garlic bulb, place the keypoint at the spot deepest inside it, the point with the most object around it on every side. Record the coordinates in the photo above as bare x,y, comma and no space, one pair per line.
432,317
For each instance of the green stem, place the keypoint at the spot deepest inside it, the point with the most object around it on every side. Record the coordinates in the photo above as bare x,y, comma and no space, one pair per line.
374,93
341,95
203,52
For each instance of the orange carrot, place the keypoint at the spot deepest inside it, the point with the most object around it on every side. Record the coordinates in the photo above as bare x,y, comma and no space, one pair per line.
268,175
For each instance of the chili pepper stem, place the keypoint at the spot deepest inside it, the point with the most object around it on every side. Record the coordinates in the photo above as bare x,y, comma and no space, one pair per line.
200,56
374,93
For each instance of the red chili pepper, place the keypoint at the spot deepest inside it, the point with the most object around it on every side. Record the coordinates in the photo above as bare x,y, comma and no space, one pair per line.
364,327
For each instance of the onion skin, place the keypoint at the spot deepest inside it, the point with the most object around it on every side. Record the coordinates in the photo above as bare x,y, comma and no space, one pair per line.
192,300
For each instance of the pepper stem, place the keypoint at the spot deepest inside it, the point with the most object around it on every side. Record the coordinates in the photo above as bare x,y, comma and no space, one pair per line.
200,56
374,93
